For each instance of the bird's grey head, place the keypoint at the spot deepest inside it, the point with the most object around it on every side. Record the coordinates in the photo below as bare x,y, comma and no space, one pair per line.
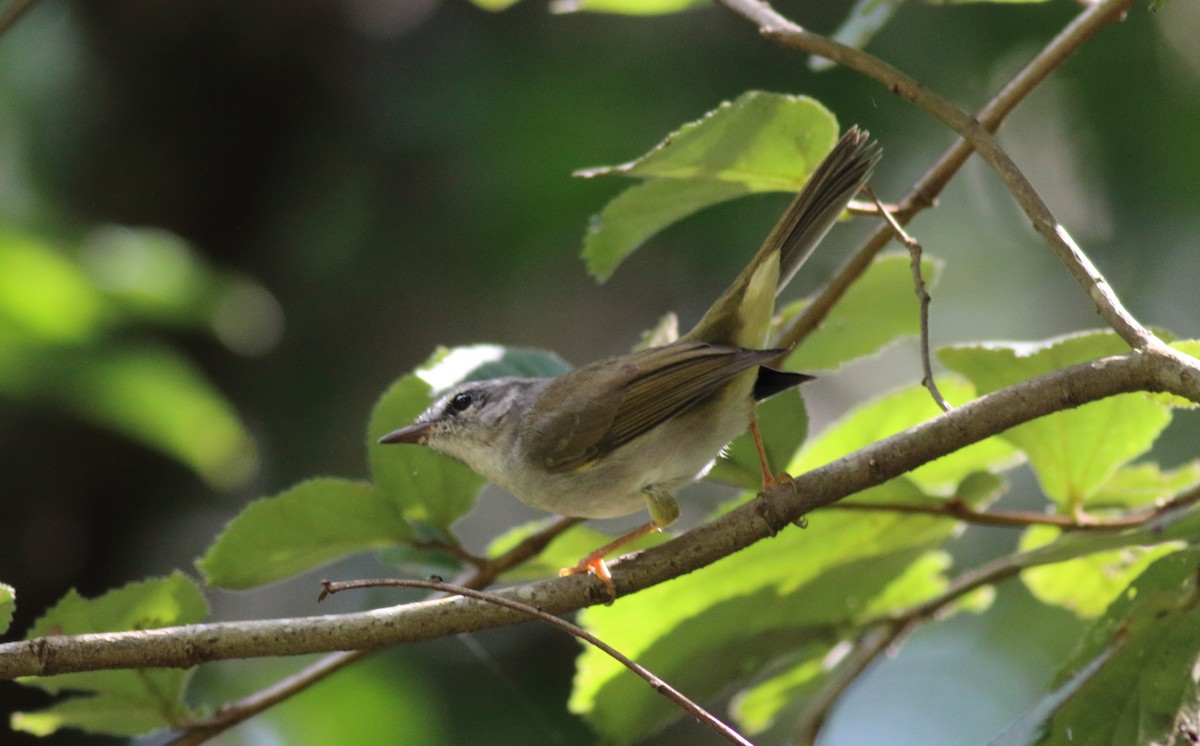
474,422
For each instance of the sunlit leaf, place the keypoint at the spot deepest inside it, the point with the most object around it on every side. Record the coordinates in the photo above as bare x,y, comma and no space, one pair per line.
123,703
157,397
58,347
756,708
896,412
44,297
806,588
877,309
760,142
1073,452
308,525
1089,584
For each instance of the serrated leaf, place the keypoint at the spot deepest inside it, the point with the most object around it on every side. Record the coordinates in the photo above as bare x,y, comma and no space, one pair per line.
427,486
641,211
783,422
878,309
1089,584
895,412
8,604
1143,653
760,142
308,525
122,703
806,588
1074,452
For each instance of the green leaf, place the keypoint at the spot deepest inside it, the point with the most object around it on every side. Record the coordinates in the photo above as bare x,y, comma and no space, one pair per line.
1089,584
44,296
807,588
881,307
124,703
1074,452
303,527
893,413
756,708
58,349
623,7
783,422
760,142
424,485
8,604
643,210
1143,654
156,396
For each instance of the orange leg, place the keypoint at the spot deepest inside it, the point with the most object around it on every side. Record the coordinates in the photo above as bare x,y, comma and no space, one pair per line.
594,562
769,479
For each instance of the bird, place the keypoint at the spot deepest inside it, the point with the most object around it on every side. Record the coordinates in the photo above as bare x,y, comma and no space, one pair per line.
627,432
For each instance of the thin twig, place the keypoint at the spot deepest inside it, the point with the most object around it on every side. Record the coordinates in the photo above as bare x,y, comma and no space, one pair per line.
233,713
788,34
486,572
923,299
960,511
654,681
865,651
924,193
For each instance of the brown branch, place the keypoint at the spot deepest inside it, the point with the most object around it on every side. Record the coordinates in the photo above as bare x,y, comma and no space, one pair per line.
787,34
656,683
959,511
924,193
772,512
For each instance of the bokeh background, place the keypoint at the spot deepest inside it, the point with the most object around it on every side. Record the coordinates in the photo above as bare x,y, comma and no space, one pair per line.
374,178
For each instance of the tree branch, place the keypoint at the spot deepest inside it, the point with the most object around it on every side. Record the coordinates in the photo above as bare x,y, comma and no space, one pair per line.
973,132
774,510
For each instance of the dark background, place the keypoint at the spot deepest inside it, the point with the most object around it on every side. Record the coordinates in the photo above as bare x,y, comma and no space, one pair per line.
396,173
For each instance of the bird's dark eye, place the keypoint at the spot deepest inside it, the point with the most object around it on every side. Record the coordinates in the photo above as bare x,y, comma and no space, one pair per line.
462,401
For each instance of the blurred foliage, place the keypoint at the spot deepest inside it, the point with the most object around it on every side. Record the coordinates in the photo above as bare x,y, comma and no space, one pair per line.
398,175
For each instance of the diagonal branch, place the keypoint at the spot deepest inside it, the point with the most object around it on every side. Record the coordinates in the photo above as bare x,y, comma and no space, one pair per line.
976,135
772,512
